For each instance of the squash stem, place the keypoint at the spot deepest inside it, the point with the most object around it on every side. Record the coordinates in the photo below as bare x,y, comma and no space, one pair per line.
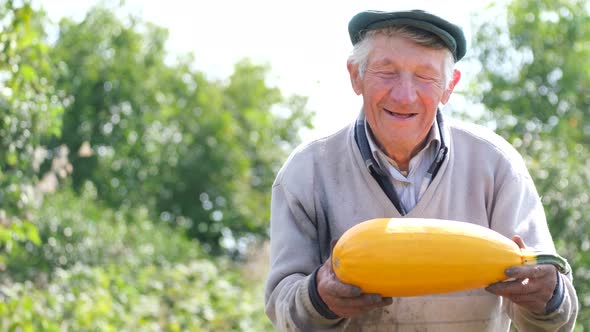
543,258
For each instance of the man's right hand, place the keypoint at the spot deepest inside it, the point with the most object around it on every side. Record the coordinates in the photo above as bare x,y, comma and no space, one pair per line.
345,300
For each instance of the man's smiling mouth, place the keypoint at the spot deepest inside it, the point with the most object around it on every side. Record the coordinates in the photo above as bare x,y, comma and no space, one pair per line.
400,115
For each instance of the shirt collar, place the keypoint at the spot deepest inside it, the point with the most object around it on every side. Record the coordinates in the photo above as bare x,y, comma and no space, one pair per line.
433,138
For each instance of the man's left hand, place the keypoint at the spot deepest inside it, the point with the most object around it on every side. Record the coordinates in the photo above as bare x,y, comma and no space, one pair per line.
532,286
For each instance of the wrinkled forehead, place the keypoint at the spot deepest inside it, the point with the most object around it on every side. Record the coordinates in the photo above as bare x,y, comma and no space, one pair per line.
388,50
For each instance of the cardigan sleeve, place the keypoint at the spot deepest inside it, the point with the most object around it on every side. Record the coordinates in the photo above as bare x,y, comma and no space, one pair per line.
518,210
294,255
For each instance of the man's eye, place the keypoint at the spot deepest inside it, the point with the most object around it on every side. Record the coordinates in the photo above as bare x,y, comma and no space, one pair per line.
425,77
387,74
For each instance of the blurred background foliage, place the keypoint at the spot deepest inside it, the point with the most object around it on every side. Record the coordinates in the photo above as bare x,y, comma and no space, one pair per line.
197,152
134,191
534,81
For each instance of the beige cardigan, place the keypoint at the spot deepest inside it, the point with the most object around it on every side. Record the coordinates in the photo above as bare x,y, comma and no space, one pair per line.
324,188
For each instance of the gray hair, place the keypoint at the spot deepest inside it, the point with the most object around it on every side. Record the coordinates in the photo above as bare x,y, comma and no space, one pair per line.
360,52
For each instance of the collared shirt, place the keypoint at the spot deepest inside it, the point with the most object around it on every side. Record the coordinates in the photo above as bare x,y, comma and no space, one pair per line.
409,185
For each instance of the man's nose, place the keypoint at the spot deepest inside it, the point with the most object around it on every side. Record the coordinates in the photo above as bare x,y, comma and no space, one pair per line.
403,91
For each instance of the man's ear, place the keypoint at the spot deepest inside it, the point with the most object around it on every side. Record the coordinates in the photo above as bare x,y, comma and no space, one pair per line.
451,86
355,78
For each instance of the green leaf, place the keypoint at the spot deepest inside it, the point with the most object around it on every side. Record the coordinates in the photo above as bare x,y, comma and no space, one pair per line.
27,72
31,233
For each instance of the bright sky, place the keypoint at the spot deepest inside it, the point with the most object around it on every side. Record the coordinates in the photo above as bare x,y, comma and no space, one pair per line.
305,42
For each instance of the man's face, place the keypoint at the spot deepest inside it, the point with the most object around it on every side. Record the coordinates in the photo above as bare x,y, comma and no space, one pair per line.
402,88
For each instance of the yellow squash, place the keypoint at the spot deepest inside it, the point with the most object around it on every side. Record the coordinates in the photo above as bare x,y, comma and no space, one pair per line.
409,257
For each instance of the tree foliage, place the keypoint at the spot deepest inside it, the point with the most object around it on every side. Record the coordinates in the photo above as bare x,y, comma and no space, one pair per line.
168,165
165,136
99,269
30,110
535,81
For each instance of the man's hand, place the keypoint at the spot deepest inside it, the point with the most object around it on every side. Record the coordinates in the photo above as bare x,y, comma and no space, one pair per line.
345,300
532,286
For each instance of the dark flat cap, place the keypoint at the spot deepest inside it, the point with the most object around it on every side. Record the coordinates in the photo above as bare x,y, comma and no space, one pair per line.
448,32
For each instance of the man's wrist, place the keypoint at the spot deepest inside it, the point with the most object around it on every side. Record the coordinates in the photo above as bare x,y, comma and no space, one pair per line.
316,300
555,302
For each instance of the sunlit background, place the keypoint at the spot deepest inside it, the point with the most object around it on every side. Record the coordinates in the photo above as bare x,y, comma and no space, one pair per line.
306,43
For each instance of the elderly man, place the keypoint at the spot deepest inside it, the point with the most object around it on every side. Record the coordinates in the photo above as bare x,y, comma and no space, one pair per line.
403,158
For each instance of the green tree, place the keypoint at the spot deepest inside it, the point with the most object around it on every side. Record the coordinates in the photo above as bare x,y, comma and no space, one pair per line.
165,136
535,82
30,110
100,269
